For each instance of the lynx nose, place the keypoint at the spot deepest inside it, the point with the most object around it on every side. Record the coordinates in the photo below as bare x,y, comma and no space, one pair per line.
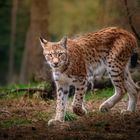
55,64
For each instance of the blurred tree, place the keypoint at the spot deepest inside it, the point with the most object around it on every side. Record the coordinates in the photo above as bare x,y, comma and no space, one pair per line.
21,23
33,66
82,16
23,20
12,40
67,17
5,10
134,57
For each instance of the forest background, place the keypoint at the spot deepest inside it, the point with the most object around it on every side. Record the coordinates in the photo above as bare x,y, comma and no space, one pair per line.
22,22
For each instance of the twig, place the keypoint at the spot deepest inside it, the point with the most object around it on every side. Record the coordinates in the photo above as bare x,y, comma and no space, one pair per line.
24,89
4,111
28,90
44,93
130,20
32,90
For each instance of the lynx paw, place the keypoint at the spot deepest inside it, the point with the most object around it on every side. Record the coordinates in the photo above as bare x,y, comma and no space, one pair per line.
54,122
79,111
104,108
126,112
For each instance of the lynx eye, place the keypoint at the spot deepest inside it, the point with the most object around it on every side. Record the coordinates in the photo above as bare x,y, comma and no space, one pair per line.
60,54
49,54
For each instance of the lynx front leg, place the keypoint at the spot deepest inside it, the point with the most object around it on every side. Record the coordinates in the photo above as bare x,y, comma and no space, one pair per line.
62,94
78,104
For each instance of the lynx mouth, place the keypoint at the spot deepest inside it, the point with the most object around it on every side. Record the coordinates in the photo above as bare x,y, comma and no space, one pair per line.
55,66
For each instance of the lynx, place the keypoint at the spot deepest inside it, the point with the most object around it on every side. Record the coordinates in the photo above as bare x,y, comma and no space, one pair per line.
73,60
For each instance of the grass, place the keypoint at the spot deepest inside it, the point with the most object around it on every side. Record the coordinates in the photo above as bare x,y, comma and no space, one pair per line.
14,122
29,85
36,109
8,92
70,116
41,116
99,94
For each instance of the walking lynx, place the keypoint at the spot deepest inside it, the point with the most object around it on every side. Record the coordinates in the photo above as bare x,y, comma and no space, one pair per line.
72,60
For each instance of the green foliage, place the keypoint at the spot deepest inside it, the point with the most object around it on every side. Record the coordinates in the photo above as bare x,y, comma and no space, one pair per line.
81,16
66,17
5,32
9,91
99,94
23,17
41,85
70,116
72,14
4,37
41,116
36,109
14,122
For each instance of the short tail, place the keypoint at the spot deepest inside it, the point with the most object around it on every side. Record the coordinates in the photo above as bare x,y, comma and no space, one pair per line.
134,57
138,85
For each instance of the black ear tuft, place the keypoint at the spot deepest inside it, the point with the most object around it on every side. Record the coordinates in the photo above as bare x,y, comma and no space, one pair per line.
43,41
64,42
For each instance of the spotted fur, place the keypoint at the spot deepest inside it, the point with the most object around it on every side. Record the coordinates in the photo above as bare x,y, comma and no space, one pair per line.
73,60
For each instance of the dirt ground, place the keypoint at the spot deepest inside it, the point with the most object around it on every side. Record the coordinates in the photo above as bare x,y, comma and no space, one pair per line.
94,126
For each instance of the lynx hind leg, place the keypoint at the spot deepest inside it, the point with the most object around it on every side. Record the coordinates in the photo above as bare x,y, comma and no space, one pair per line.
78,100
118,82
90,83
132,91
90,80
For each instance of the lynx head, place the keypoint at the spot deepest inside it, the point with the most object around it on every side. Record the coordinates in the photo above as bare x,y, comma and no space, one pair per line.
55,53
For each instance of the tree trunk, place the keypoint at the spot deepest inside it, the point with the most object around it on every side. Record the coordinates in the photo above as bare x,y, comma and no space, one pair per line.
12,40
33,64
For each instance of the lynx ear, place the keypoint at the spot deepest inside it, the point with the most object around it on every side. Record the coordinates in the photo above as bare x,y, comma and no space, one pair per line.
63,42
43,42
